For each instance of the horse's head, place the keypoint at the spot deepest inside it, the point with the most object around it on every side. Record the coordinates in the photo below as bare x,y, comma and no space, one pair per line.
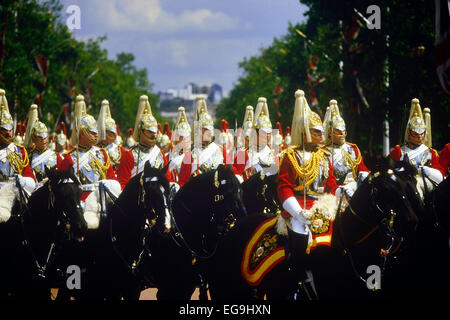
260,193
227,204
386,202
154,193
394,196
64,199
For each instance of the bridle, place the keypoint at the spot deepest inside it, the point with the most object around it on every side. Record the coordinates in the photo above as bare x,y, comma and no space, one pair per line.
63,222
386,224
150,222
222,227
271,204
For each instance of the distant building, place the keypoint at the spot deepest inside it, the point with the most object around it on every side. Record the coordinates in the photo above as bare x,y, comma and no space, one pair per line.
191,91
171,99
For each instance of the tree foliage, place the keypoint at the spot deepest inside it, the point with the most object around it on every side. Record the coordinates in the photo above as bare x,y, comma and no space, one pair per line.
30,28
373,74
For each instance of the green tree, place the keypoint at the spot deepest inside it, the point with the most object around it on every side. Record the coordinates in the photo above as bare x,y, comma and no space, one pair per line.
31,28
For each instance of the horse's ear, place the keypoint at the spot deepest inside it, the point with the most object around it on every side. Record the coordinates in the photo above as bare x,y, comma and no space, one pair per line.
164,169
50,173
406,158
147,168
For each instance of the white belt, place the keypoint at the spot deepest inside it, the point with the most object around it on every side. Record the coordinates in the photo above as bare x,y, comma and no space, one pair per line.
89,187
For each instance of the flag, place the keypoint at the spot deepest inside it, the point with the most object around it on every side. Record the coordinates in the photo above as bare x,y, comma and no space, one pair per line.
42,65
352,32
442,45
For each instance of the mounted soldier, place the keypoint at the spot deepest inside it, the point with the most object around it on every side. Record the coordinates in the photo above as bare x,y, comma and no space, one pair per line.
20,134
246,147
417,148
36,141
90,163
287,138
305,176
165,143
278,139
444,158
207,155
182,144
129,140
345,157
145,133
14,163
267,157
107,135
61,140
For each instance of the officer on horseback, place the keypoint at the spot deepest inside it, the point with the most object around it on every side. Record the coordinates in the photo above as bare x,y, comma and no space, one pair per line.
207,155
182,144
246,148
278,139
165,144
107,135
61,139
145,133
305,175
444,158
14,163
345,157
36,142
90,163
417,147
267,157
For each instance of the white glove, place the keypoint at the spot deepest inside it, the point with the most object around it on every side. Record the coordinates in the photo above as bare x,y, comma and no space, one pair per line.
433,174
347,190
361,177
292,206
27,183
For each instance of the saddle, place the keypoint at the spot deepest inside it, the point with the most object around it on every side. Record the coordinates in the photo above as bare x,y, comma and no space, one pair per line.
263,251
266,247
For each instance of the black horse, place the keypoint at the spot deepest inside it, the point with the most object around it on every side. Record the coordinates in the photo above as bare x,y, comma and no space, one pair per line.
369,232
205,209
428,257
116,256
33,240
260,194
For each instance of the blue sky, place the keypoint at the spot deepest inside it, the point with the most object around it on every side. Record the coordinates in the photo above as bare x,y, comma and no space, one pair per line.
182,41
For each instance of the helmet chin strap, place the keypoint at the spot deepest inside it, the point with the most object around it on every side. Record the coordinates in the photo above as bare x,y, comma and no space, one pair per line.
4,141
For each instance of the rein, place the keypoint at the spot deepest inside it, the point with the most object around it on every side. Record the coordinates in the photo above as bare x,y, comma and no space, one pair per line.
177,232
136,263
385,222
41,269
229,222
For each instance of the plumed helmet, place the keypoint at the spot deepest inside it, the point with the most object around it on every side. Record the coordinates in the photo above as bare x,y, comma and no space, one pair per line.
6,120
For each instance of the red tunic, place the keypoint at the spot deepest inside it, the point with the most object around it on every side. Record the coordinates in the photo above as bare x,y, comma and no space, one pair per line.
68,161
288,180
396,155
444,158
27,171
126,166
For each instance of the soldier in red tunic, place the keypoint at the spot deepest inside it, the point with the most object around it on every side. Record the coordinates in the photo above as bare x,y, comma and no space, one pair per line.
36,141
145,133
13,162
444,158
305,175
206,155
417,147
246,150
345,157
182,141
90,163
107,136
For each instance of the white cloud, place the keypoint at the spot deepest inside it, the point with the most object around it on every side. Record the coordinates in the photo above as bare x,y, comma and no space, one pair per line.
149,17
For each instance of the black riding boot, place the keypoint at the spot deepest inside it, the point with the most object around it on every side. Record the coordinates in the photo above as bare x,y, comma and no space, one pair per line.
305,289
